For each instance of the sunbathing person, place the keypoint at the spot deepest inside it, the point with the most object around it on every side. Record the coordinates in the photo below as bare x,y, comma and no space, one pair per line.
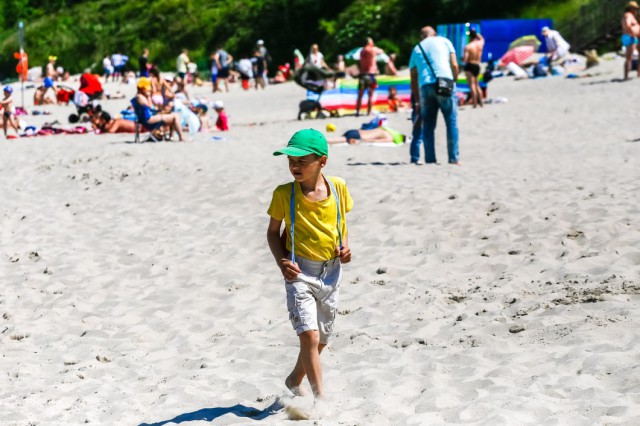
382,134
148,116
103,123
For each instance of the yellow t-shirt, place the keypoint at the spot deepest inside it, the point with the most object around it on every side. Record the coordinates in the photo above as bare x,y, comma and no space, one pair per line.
316,234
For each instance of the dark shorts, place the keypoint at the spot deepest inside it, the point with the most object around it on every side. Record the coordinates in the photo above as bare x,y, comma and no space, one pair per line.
340,74
182,74
223,72
367,81
474,69
6,114
144,73
352,134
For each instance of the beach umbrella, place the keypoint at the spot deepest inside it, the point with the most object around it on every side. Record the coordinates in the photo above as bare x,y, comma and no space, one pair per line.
517,55
354,54
528,40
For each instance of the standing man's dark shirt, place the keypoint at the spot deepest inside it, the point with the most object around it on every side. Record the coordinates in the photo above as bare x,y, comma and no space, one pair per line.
143,62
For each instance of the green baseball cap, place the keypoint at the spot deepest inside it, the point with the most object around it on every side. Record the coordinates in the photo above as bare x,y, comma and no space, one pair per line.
305,142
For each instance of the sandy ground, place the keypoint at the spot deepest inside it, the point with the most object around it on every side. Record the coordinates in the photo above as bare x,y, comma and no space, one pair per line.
137,286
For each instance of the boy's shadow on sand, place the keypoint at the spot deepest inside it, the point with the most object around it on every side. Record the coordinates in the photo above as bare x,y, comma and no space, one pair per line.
210,414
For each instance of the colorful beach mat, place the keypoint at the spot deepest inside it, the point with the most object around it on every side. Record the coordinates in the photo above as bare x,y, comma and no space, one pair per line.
343,98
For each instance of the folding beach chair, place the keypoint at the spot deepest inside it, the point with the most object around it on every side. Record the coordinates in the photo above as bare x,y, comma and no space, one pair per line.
142,126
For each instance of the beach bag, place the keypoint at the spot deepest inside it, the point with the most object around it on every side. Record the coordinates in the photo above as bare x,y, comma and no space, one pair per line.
444,86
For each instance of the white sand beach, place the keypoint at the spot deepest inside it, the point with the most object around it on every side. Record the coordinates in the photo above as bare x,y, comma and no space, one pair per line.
137,286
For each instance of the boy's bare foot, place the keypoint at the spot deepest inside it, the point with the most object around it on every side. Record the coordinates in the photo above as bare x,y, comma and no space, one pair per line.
456,163
296,390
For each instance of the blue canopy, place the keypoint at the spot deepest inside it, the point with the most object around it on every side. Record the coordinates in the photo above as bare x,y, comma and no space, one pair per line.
498,34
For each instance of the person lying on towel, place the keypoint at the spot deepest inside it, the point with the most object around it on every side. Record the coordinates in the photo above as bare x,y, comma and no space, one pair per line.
378,135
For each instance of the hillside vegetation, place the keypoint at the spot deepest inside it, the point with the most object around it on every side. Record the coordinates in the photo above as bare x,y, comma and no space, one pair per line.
81,32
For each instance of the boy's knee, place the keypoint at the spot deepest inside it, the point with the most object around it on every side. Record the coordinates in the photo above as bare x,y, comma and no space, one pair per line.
310,337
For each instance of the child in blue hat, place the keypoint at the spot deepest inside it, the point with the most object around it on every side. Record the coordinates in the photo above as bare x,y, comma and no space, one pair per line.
8,115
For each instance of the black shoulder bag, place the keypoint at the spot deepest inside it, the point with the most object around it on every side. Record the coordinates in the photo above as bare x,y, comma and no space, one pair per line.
444,86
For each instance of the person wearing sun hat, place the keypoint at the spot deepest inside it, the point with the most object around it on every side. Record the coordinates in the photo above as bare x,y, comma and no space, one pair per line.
222,123
311,251
147,115
630,34
557,46
50,70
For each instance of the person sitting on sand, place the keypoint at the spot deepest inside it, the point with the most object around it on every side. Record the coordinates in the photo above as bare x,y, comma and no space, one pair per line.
146,113
200,110
40,96
222,123
104,123
311,254
8,114
392,100
378,135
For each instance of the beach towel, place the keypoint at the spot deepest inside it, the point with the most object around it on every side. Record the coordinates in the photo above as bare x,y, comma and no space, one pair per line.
343,98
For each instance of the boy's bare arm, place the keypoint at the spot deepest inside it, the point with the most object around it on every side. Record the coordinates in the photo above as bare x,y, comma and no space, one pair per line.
345,253
289,269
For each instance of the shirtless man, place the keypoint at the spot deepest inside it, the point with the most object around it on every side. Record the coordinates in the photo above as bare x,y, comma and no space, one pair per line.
368,70
472,58
377,135
630,33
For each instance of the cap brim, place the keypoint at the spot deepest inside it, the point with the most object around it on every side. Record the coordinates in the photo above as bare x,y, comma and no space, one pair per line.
293,152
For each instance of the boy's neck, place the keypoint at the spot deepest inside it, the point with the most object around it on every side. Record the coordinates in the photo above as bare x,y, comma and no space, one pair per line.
312,184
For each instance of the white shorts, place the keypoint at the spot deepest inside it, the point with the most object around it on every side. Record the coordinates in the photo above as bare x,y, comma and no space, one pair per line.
312,298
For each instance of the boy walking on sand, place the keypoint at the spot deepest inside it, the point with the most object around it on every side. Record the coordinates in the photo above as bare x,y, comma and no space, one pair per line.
8,113
313,208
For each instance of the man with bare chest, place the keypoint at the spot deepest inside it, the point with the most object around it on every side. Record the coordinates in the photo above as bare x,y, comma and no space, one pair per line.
472,58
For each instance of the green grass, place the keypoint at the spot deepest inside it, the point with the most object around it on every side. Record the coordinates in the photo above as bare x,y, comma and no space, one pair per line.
559,11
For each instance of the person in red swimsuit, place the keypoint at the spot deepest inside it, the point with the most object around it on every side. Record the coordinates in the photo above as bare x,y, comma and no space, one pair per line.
222,124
